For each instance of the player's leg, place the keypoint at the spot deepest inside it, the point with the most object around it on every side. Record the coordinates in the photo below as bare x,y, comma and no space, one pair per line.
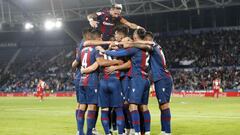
218,93
135,99
81,110
41,96
104,103
126,86
92,100
113,118
114,86
163,91
144,108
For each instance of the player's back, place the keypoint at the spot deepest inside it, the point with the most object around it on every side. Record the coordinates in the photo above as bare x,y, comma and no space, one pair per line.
140,63
158,63
103,73
87,58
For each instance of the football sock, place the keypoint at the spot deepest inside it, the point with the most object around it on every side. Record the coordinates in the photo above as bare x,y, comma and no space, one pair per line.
105,121
120,120
147,120
135,121
166,119
91,121
80,121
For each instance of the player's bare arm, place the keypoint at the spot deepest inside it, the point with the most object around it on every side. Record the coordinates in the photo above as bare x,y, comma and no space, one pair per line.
130,25
92,20
105,63
96,42
90,69
75,63
123,66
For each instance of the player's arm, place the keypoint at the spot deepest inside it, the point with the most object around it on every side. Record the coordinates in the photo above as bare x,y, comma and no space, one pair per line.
92,18
129,24
123,66
105,63
75,64
96,42
121,52
144,47
89,69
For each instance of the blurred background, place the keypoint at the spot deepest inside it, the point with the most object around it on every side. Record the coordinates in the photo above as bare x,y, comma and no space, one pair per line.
201,40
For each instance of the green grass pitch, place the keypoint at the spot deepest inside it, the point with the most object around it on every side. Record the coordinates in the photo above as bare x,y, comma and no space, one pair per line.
55,116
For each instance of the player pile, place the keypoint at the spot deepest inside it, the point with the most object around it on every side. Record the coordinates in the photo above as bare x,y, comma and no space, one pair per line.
113,73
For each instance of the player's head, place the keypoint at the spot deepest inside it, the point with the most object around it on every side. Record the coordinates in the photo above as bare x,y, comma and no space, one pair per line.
116,10
111,38
87,33
139,34
96,34
120,32
148,36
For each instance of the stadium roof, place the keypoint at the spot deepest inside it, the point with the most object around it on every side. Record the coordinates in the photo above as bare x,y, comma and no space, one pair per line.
20,11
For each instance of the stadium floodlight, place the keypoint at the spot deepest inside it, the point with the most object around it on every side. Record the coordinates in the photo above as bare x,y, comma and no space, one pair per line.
58,24
49,25
28,26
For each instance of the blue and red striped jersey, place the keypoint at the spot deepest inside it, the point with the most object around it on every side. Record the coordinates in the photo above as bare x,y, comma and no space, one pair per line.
103,73
87,58
107,23
139,59
158,63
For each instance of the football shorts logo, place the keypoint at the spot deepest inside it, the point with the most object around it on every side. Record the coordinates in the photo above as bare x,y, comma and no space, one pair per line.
133,89
163,89
96,90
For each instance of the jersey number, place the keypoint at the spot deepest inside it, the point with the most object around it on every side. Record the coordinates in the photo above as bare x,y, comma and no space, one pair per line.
147,59
84,60
107,57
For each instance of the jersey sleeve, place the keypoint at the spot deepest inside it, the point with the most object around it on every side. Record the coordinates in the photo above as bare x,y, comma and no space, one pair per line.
98,54
122,52
78,59
100,14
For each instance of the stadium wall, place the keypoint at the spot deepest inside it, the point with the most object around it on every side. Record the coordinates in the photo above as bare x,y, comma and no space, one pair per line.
152,94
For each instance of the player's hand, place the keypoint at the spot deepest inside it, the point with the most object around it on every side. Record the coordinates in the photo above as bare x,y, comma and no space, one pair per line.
140,27
82,70
110,69
119,62
128,45
93,23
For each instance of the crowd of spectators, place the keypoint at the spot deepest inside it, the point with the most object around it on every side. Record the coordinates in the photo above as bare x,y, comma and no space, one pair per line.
194,60
209,49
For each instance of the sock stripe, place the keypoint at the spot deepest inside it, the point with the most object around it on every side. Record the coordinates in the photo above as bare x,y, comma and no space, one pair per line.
132,112
104,119
166,118
136,122
120,118
148,121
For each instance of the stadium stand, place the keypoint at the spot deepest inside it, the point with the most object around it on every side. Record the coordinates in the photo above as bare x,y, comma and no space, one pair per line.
193,59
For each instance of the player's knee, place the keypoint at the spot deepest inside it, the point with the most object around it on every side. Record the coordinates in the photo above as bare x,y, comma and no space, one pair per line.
164,106
105,109
92,107
78,106
143,108
82,107
133,107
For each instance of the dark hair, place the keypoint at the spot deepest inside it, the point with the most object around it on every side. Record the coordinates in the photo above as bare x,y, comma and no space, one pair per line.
86,31
149,33
141,33
96,32
123,29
